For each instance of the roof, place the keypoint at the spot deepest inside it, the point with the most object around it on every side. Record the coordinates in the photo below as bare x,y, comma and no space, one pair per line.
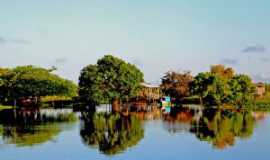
260,84
149,85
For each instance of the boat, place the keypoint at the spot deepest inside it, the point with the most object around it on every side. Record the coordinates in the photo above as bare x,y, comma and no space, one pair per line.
166,104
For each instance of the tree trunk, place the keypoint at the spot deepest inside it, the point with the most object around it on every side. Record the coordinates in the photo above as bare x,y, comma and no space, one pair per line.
116,105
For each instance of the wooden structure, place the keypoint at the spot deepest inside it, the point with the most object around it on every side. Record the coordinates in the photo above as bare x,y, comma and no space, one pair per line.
260,89
149,92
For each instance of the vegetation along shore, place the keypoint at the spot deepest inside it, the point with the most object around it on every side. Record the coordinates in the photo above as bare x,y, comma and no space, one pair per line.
113,81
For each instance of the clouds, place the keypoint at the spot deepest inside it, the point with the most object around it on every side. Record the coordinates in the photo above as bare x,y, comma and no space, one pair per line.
13,41
229,61
254,49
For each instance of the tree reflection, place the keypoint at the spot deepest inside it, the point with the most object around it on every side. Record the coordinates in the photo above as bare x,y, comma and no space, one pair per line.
221,127
110,133
31,127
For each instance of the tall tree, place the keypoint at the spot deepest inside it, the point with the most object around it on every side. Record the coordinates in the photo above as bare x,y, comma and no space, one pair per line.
110,80
221,85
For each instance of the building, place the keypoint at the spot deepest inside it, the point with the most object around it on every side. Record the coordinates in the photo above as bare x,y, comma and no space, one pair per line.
260,89
149,92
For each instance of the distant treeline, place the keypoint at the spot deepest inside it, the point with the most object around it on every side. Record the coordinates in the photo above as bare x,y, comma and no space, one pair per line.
112,80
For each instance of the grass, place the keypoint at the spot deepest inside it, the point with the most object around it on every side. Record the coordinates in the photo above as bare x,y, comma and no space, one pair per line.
262,103
55,98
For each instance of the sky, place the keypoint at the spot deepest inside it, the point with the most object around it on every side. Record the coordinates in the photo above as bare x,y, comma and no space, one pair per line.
156,35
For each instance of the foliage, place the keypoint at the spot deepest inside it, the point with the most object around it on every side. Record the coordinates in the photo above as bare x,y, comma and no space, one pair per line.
111,78
55,98
31,81
211,88
222,71
242,89
222,86
176,84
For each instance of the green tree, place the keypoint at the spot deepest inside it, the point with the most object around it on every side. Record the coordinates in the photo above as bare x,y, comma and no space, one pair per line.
221,85
31,81
111,79
242,89
211,88
7,79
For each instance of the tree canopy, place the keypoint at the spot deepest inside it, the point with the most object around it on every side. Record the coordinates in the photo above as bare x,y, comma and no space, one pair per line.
27,81
111,78
221,85
176,84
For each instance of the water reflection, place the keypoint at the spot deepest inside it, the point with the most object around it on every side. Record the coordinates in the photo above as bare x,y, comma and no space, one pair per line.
110,133
115,133
222,127
32,127
219,127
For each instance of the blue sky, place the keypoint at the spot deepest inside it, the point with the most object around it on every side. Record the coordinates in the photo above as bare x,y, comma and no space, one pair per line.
155,35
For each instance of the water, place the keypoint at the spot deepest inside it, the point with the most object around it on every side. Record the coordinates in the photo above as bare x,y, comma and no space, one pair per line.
187,133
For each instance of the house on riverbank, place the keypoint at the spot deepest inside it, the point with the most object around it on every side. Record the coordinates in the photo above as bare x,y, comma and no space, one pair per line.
260,89
149,92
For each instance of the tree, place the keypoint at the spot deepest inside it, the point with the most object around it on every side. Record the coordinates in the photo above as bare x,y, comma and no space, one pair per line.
221,70
211,88
3,71
221,85
242,89
31,81
110,80
7,79
176,84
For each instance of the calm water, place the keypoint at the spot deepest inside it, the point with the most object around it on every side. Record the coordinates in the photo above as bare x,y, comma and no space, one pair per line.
187,133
